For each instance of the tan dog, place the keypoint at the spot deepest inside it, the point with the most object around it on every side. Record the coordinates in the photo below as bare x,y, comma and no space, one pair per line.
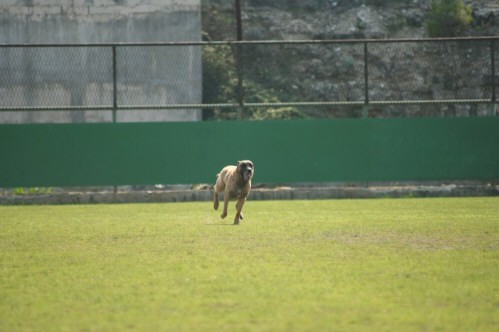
235,182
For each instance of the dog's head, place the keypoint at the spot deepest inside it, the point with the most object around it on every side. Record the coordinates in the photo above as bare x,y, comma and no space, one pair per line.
246,169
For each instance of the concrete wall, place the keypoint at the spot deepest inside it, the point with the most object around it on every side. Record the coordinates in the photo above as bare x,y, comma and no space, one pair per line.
83,76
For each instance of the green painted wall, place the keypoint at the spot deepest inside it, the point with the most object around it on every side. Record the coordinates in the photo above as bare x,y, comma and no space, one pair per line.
283,151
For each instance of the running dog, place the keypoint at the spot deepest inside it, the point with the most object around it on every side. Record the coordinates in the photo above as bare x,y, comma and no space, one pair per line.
235,182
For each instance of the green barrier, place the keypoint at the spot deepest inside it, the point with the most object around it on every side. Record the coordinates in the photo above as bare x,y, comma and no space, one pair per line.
283,151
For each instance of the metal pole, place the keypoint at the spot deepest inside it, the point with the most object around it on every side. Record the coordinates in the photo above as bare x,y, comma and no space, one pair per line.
239,60
493,76
115,106
239,21
115,93
365,110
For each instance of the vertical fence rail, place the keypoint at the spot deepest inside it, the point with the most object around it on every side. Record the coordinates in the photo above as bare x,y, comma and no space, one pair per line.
115,104
115,85
239,61
365,111
493,75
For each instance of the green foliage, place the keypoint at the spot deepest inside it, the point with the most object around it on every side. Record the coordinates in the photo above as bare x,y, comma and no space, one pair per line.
220,86
337,265
219,76
448,18
280,113
219,80
31,191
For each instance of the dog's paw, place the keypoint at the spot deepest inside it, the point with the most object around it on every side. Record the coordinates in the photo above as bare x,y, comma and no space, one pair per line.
215,205
241,216
223,215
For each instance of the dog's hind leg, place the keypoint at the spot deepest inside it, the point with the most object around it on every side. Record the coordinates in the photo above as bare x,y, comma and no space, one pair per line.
215,201
224,212
219,186
226,204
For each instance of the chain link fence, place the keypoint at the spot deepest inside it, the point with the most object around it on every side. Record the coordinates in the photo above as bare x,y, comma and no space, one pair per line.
386,78
249,79
99,83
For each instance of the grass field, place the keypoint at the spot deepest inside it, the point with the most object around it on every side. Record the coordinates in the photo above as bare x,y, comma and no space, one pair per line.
337,265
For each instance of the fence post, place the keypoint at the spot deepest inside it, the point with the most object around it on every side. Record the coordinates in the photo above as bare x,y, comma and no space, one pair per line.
115,106
365,108
115,93
493,77
239,61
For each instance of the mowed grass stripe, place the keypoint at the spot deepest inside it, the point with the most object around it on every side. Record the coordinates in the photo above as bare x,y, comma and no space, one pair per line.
403,264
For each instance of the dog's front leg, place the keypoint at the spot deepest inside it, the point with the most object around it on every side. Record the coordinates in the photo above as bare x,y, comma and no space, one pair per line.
226,204
239,207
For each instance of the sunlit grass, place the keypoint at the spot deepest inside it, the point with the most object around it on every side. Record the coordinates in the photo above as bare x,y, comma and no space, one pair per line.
393,265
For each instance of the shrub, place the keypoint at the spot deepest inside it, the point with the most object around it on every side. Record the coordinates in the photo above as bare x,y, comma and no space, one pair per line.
448,18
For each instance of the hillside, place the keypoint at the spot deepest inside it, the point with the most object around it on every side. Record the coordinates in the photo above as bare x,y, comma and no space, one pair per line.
310,73
330,19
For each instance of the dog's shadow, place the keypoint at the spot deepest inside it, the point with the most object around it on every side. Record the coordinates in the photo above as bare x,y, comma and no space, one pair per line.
211,222
218,224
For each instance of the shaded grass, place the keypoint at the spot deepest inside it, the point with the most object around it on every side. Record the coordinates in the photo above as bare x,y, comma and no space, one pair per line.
406,264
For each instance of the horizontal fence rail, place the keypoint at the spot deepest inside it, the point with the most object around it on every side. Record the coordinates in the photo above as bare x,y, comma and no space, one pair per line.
300,73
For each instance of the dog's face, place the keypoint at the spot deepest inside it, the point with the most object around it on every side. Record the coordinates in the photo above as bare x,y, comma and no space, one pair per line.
246,169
